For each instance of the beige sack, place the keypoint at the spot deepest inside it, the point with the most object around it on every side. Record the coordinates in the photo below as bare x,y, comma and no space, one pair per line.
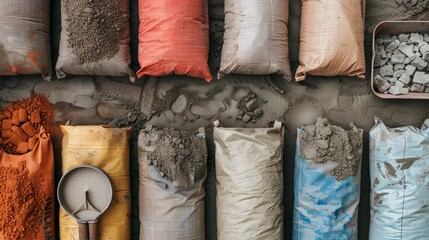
249,182
108,149
165,211
256,38
332,38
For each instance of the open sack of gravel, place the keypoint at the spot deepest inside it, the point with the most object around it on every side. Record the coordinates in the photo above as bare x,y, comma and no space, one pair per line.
25,38
174,38
108,149
399,172
249,182
172,171
332,38
327,181
256,38
95,38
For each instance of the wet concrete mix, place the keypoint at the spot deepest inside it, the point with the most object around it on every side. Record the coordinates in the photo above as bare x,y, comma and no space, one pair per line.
177,156
324,142
93,28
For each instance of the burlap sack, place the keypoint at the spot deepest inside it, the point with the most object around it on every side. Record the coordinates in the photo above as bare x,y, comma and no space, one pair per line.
107,149
256,38
40,164
25,38
116,66
167,212
332,38
249,182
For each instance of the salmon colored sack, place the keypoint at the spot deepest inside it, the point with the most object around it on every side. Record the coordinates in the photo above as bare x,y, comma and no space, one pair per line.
27,193
332,38
108,149
174,38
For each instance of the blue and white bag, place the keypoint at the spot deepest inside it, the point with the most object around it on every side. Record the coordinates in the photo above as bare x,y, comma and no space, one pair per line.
325,207
399,168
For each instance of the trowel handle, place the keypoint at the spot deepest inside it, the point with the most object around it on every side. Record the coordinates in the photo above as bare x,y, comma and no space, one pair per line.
93,231
83,231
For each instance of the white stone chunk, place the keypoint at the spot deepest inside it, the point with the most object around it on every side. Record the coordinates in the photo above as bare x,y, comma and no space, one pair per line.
405,78
419,77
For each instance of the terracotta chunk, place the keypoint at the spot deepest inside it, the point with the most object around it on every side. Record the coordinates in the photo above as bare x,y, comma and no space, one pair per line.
28,129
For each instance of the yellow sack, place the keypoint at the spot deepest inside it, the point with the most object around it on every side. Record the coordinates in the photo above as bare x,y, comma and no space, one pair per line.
108,149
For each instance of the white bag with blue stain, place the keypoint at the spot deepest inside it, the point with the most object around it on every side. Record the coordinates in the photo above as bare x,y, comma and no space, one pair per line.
324,208
399,168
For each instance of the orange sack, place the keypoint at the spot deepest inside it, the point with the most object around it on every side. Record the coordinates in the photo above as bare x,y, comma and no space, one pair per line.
174,38
332,38
27,189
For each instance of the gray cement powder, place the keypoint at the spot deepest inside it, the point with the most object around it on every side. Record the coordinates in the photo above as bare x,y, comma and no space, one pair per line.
93,28
178,155
323,142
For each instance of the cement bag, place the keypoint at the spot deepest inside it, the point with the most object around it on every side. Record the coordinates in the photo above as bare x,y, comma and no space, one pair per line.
249,182
95,38
256,38
332,38
172,170
174,38
327,182
25,38
108,149
399,167
27,198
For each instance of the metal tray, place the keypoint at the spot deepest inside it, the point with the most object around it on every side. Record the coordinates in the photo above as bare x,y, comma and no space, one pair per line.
396,28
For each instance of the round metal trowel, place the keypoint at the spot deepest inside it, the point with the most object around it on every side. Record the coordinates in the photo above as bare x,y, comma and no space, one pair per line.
85,192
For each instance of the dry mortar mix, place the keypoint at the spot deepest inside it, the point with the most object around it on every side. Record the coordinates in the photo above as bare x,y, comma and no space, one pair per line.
327,181
172,168
95,38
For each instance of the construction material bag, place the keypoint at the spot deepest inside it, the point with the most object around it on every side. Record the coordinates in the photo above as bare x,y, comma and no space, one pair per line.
174,38
27,198
332,38
249,182
108,149
25,38
172,171
95,38
327,182
256,38
399,167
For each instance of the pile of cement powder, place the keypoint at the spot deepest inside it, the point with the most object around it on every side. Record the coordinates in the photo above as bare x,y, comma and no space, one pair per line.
322,142
177,156
93,28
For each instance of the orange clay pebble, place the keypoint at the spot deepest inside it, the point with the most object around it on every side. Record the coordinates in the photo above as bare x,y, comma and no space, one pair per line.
28,129
2,116
35,117
15,118
6,124
6,134
20,133
23,116
15,139
31,143
22,148
7,114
